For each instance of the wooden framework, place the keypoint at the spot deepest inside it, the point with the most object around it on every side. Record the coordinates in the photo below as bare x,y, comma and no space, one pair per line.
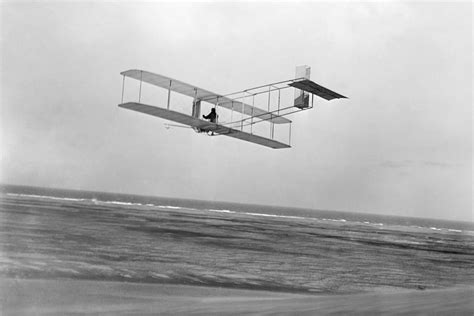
235,102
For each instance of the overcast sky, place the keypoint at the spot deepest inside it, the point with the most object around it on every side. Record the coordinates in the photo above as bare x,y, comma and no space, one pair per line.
400,145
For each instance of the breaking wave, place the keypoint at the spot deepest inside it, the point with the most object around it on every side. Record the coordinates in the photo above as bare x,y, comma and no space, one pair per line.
222,211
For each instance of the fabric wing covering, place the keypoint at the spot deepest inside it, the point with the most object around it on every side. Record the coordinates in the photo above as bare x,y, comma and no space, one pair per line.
314,88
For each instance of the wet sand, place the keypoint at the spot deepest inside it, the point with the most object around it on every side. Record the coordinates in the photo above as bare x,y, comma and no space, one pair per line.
60,297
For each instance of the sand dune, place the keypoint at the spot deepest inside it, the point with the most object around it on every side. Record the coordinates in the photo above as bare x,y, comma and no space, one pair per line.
59,297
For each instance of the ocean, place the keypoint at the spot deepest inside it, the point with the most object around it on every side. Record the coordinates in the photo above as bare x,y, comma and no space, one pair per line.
64,234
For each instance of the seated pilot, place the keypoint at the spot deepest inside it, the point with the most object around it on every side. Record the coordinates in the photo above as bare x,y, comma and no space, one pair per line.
211,116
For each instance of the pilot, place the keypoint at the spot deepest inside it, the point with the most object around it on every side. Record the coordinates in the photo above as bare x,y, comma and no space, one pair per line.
211,116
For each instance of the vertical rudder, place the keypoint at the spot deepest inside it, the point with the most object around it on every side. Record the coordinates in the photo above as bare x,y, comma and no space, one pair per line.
302,97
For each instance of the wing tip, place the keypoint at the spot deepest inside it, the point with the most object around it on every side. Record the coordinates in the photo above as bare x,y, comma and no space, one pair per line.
126,72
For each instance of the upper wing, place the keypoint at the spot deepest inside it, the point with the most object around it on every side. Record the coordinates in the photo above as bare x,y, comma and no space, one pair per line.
314,88
204,125
204,95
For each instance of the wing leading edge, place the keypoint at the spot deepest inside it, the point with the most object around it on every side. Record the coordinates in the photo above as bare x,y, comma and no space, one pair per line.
203,125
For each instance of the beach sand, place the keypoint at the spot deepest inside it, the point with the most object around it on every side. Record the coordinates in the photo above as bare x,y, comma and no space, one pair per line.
59,297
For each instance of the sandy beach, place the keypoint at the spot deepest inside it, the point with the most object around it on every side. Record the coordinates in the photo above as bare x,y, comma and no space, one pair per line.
59,297
76,255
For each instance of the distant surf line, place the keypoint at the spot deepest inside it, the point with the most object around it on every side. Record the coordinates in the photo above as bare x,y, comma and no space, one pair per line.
95,201
225,211
46,197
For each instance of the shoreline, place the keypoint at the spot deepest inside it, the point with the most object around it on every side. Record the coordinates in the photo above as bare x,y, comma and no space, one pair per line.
67,296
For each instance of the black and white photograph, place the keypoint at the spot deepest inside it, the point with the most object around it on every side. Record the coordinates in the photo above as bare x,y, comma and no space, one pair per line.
236,158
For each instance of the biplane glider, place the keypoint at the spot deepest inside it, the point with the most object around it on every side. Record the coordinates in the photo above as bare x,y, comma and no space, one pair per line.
242,104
